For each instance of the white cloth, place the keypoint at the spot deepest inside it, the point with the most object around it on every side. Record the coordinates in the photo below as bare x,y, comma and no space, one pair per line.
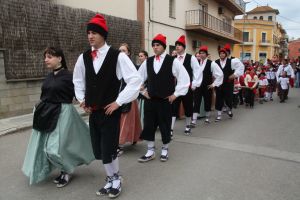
288,69
125,69
197,71
178,70
284,82
236,65
271,74
217,73
263,82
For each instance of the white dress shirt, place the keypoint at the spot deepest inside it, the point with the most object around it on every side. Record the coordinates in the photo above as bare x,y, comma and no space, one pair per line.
178,70
288,69
216,72
125,69
236,65
263,82
270,74
197,71
284,82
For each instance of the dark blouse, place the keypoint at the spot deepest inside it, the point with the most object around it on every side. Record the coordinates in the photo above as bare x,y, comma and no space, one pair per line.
56,89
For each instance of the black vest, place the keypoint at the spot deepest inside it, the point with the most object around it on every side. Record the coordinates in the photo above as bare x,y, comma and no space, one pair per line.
162,84
101,88
227,71
207,74
187,65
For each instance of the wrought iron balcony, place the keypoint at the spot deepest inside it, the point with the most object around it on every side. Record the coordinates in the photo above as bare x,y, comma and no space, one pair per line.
202,22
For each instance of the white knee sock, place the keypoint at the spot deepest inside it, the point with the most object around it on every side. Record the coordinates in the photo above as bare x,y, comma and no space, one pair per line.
151,149
109,172
195,115
173,123
109,169
164,150
187,121
219,113
115,165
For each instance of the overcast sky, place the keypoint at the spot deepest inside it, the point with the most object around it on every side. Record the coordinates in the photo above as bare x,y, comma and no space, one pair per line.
289,13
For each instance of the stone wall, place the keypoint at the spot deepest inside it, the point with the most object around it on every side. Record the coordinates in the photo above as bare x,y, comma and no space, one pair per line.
27,27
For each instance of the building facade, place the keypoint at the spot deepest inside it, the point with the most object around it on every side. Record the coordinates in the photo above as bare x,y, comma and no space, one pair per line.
263,36
204,22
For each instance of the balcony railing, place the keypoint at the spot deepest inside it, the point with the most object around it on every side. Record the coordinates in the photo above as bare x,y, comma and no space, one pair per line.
202,20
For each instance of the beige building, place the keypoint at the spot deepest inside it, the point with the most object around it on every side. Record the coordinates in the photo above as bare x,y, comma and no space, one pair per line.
263,36
204,22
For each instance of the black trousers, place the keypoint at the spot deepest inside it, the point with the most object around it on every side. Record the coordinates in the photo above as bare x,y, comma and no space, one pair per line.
157,113
105,130
224,94
187,101
249,97
206,93
241,95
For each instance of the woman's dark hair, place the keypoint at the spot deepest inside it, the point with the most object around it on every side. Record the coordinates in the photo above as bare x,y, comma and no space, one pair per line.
57,52
127,47
145,53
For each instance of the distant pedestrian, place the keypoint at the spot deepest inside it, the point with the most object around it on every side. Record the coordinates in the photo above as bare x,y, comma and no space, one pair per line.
130,124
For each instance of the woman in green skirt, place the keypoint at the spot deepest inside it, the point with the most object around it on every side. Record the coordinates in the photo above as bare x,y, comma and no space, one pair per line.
60,138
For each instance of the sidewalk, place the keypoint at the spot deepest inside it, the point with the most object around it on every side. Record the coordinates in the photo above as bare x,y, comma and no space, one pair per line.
22,122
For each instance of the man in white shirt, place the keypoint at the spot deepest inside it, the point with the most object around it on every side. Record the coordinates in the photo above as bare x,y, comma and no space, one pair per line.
159,71
191,65
212,77
96,79
224,93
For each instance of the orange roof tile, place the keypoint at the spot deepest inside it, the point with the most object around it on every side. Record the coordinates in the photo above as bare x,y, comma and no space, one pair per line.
263,9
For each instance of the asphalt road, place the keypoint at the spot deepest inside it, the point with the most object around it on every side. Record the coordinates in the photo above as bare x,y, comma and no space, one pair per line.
254,156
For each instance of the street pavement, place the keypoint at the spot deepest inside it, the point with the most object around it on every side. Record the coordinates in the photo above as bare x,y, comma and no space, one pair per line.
254,156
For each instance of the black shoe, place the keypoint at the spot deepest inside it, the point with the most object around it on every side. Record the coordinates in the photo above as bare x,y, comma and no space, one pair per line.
206,121
193,125
229,113
145,158
164,158
120,151
271,99
187,130
65,180
115,192
218,118
104,191
57,179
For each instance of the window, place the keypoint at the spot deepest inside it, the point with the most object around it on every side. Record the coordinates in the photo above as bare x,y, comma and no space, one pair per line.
262,57
172,8
270,18
261,18
246,36
263,37
245,56
254,17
